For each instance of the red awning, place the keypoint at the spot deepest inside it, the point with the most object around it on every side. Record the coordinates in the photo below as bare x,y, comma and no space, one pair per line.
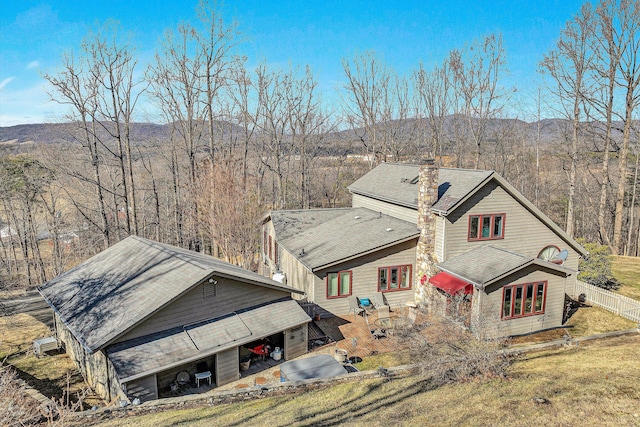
450,284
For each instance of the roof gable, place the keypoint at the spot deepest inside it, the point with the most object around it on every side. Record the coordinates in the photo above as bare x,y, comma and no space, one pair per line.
110,293
392,182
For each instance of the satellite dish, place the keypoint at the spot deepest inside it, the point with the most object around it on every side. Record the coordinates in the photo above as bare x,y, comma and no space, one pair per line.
561,257
549,252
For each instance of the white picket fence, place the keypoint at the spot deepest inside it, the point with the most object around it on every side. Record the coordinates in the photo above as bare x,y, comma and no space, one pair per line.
619,304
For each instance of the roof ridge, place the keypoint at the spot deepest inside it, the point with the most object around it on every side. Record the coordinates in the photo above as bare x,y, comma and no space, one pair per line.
180,253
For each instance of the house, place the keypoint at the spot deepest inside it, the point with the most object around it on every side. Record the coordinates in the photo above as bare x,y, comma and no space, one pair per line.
331,254
463,218
139,314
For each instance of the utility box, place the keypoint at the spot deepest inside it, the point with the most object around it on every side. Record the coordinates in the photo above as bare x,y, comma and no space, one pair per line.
42,345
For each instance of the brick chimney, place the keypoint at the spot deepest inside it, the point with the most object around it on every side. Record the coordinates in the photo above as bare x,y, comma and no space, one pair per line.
425,251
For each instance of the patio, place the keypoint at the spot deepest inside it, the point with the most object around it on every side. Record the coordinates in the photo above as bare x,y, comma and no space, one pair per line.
353,334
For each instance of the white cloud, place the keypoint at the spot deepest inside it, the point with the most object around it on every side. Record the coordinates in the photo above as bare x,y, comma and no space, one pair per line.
32,65
28,105
6,82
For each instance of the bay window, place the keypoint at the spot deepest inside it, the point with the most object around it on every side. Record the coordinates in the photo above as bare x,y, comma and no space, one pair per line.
523,300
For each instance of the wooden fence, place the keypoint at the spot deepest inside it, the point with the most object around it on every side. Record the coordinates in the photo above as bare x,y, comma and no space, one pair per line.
618,304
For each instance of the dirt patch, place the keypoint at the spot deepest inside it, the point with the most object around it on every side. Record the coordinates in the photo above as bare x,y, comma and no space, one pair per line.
540,337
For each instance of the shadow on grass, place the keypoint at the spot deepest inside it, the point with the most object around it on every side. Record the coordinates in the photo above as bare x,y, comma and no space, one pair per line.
54,389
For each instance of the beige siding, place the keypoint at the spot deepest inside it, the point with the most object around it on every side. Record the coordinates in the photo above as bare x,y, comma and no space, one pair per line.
297,275
440,233
365,277
192,307
491,304
523,233
227,366
295,342
269,264
396,211
145,388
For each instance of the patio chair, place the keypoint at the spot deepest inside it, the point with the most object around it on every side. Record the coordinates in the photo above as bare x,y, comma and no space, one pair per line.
383,312
354,306
379,301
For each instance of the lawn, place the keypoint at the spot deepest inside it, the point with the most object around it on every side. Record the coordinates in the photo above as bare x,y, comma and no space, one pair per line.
53,374
596,382
627,270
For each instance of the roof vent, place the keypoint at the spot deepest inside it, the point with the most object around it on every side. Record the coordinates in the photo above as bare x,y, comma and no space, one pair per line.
389,229
356,217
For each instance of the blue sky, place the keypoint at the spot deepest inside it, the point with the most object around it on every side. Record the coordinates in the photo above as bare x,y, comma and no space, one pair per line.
34,35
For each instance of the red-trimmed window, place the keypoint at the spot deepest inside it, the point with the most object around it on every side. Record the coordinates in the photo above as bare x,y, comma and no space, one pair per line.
395,278
486,227
527,299
339,284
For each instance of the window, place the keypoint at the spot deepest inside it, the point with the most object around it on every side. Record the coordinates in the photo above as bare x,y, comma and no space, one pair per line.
339,284
394,278
523,300
275,252
486,227
264,242
270,249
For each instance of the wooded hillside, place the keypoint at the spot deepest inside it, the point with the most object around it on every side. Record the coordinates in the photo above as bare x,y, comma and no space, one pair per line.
233,142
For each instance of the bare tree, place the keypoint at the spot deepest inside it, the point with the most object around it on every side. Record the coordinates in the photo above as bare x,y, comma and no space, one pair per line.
177,84
113,67
368,80
625,29
567,65
432,92
477,72
74,87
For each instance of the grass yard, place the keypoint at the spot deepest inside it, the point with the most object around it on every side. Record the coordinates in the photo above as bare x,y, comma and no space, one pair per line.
595,320
52,374
627,270
595,383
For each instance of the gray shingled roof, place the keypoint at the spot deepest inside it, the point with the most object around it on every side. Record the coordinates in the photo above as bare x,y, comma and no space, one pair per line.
153,353
486,264
398,183
348,234
456,184
111,292
392,182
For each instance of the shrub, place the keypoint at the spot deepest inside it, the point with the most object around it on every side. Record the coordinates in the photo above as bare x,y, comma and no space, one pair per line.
595,268
16,408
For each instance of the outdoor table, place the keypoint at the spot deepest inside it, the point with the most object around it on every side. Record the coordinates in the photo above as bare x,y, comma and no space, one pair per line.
203,376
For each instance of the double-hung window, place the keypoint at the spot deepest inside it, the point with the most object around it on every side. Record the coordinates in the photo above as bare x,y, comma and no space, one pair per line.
527,299
339,284
486,227
394,278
